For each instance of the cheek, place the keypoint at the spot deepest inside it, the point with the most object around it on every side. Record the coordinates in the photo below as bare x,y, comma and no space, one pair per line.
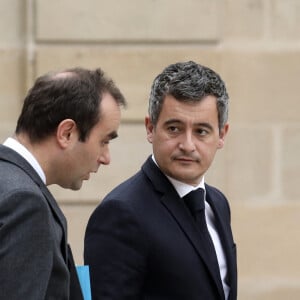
208,153
207,149
166,151
89,153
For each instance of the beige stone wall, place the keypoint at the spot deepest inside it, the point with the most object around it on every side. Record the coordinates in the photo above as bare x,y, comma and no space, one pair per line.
253,44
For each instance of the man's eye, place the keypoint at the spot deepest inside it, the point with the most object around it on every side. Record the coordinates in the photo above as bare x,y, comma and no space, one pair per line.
202,132
173,129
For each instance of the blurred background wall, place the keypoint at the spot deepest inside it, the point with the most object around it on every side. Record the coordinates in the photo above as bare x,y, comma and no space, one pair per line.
253,44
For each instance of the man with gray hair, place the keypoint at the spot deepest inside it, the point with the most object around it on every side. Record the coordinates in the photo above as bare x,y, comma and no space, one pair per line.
164,233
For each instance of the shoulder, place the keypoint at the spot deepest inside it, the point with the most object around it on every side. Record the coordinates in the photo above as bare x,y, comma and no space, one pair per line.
130,190
123,199
24,201
131,201
216,198
25,215
19,192
213,191
15,167
15,178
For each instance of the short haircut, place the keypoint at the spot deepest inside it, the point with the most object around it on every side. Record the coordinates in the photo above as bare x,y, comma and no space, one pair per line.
188,82
71,94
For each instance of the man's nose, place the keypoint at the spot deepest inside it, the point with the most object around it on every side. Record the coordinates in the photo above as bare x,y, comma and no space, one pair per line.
187,143
104,158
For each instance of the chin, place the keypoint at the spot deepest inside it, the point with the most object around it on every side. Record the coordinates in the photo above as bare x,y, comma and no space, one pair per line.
76,186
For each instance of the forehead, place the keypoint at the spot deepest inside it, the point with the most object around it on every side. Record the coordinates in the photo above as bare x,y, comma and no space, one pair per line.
204,109
110,115
108,107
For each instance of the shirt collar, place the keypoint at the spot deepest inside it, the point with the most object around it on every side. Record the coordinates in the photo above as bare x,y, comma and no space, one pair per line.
26,154
181,187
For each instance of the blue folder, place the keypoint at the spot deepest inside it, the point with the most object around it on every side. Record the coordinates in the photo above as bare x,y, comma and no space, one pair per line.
84,279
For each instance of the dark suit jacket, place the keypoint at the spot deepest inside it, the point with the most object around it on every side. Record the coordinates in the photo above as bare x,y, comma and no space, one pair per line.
141,243
35,261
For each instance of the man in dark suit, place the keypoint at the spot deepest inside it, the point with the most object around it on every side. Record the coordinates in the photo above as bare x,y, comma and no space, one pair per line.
145,240
62,135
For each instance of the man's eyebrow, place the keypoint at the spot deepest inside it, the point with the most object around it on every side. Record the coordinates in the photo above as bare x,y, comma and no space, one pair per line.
206,125
172,121
177,121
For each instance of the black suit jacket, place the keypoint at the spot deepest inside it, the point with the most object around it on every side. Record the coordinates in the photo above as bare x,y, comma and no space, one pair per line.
141,243
35,261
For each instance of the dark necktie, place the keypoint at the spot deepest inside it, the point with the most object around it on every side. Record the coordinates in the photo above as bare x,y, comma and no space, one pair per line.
195,202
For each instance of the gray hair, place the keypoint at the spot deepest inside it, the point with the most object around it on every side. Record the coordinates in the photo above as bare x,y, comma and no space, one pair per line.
188,82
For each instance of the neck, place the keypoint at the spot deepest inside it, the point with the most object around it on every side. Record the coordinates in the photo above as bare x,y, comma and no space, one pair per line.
42,152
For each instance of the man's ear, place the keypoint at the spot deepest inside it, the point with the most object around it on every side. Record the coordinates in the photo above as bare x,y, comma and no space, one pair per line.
149,128
66,133
223,133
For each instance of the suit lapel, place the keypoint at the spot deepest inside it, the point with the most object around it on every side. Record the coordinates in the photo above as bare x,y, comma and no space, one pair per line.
59,216
182,216
13,157
180,213
225,236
